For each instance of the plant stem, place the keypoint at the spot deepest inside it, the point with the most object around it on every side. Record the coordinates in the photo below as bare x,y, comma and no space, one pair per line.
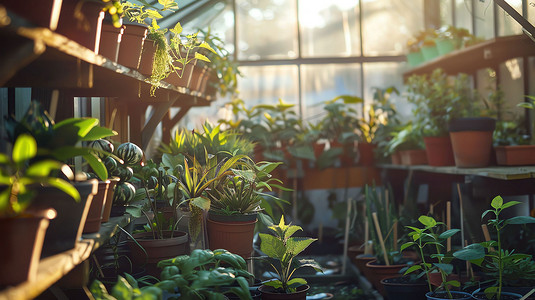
500,261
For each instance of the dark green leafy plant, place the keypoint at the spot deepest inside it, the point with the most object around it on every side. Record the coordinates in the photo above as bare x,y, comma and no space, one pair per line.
19,176
491,254
427,237
283,249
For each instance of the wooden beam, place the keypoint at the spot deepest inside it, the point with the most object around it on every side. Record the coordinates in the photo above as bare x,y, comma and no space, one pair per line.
169,123
159,112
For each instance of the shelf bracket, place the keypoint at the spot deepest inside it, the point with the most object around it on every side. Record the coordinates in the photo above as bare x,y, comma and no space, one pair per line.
159,112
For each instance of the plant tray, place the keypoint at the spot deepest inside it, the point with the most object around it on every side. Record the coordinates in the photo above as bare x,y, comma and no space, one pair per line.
515,155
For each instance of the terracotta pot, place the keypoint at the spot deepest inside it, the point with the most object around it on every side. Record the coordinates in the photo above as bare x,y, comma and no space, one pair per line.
131,45
521,155
81,21
396,158
22,242
94,216
380,272
436,279
366,154
108,202
234,236
346,159
361,260
147,57
268,293
43,13
400,288
353,251
157,249
185,80
471,139
110,41
413,157
65,230
439,151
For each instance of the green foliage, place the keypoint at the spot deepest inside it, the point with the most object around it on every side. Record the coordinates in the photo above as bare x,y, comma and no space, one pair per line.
496,259
407,138
282,248
60,141
20,177
429,236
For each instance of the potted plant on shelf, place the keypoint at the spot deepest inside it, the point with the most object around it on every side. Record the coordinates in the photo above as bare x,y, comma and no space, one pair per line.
408,143
282,249
511,143
491,254
437,101
24,229
236,204
59,141
429,237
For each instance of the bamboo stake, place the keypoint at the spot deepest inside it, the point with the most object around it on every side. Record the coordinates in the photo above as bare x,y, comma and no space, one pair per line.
367,247
486,234
380,236
461,211
448,224
396,236
346,235
431,209
528,294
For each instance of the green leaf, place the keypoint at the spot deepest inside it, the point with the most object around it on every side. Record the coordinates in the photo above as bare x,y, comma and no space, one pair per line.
98,132
427,221
201,57
122,289
274,283
4,159
406,245
43,168
509,204
470,252
448,233
412,269
296,282
447,268
520,220
272,246
205,45
97,165
201,202
454,283
24,149
296,245
80,126
497,202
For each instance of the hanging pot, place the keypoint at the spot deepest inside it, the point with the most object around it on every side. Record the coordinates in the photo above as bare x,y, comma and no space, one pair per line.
65,230
94,216
439,151
471,140
269,293
23,238
234,233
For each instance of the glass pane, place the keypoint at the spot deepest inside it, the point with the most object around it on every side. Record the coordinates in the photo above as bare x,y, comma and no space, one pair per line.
388,25
383,75
531,12
484,19
329,28
463,14
446,16
506,24
320,83
267,29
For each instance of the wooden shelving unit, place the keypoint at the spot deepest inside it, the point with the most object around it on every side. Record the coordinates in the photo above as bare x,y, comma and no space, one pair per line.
53,268
488,54
496,172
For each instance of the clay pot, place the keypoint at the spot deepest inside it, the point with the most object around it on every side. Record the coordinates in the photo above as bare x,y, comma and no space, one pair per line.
268,293
380,272
108,203
131,45
110,41
471,139
94,216
396,158
413,157
231,233
23,238
521,155
366,154
438,150
147,57
185,80
81,21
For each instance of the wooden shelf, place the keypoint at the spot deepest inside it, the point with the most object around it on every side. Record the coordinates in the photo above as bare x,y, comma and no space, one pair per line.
496,172
53,268
488,54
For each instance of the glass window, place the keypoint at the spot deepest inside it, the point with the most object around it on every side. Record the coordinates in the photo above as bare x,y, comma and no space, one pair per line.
387,25
506,24
329,28
383,75
266,29
446,16
463,14
266,84
484,18
320,83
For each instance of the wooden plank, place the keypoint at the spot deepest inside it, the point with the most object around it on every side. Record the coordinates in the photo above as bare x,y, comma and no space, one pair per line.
497,172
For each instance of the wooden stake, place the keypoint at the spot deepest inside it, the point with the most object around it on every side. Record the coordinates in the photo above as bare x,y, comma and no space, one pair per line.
396,236
53,104
528,294
367,248
461,210
380,236
431,209
486,234
448,224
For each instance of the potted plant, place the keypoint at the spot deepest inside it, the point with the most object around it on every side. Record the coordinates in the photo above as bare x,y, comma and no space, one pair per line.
491,253
511,143
430,237
437,101
236,205
282,249
24,229
59,141
408,143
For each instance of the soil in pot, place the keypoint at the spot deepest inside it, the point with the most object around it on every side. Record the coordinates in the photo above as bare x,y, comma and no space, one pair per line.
405,288
269,293
444,295
503,296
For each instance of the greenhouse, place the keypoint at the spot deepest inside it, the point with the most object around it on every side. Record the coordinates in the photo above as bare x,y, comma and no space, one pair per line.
267,149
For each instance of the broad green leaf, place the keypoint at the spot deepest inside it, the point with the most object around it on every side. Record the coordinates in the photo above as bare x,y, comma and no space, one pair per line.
470,252
78,126
296,245
201,57
447,268
296,282
4,159
168,4
497,202
348,99
427,221
205,45
24,149
98,132
201,202
97,165
272,246
520,220
43,168
407,245
454,283
122,289
274,283
509,204
412,269
448,233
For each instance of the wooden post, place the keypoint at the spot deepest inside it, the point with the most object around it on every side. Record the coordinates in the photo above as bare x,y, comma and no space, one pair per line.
380,236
